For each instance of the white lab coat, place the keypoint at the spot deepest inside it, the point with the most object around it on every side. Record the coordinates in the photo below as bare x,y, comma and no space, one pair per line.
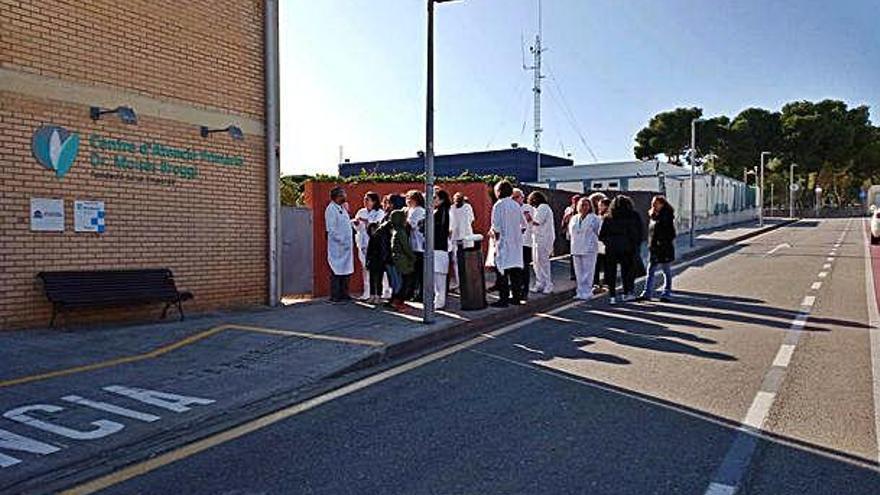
461,221
542,247
508,222
584,234
340,252
529,234
416,237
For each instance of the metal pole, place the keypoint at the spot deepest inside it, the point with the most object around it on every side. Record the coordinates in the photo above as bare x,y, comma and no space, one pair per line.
693,215
428,272
791,190
273,171
771,199
761,192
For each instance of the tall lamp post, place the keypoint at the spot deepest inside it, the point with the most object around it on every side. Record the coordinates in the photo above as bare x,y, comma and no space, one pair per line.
428,271
791,190
761,191
693,215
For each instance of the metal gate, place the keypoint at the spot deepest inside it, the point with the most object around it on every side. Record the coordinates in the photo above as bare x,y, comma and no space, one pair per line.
296,250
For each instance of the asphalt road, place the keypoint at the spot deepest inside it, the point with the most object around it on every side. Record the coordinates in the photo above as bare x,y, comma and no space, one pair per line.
756,379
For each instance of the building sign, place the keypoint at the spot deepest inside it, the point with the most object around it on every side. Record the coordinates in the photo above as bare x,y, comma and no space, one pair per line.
55,148
149,162
88,216
47,215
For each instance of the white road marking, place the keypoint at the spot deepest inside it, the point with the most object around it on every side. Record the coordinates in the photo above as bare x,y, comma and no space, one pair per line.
778,247
720,489
729,475
759,409
826,266
829,258
874,323
783,357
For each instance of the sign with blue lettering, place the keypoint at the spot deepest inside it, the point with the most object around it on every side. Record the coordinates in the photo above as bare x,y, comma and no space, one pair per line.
88,216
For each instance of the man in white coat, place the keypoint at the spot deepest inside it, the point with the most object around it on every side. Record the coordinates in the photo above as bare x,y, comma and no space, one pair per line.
528,238
508,225
340,251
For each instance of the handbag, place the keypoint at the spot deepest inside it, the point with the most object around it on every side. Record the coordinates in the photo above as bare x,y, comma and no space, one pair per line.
639,269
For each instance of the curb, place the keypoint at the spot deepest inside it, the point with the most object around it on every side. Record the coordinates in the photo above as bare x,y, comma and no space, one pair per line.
514,314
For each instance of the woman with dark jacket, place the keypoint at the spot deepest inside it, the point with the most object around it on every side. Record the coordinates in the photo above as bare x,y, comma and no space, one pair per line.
622,234
661,245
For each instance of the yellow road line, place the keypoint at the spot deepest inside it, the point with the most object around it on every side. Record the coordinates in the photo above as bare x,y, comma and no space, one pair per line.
177,345
193,448
313,336
113,362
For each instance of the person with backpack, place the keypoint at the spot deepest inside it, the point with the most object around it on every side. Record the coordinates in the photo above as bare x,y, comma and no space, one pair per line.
377,258
661,247
622,234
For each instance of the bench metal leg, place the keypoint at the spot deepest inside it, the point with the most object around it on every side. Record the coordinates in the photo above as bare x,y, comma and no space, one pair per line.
180,308
54,314
165,311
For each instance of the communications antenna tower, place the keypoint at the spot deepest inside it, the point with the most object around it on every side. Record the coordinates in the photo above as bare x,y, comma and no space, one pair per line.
536,50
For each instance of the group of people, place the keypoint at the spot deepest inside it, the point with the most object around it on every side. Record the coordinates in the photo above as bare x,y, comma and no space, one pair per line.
389,238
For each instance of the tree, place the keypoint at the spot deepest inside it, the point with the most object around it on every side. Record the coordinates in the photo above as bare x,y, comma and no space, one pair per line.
752,131
668,133
826,138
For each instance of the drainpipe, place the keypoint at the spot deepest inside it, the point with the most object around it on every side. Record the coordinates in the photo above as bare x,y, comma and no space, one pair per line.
273,171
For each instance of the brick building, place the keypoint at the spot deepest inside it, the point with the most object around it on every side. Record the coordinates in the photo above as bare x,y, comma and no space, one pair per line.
171,196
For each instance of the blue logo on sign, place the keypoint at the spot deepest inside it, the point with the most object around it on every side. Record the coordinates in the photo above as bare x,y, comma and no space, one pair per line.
55,148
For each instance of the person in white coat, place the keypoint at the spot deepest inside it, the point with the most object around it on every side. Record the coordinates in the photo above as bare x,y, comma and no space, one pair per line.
371,213
415,217
583,230
461,225
340,252
544,237
508,225
528,239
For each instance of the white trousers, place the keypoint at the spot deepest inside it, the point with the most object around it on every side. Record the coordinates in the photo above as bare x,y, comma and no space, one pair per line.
441,268
541,262
362,256
584,268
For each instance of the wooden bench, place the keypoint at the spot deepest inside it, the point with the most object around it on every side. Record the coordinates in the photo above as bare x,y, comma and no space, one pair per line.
105,288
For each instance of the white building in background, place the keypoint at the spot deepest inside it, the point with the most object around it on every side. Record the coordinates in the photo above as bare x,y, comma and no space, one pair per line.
718,199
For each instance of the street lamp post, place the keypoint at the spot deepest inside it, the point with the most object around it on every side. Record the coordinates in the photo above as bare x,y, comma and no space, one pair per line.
818,191
428,269
761,191
693,150
791,190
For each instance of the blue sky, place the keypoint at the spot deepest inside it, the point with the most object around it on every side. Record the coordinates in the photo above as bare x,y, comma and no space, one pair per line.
352,71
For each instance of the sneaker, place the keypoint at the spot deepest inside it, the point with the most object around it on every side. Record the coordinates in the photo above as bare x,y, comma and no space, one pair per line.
628,298
643,297
612,300
666,298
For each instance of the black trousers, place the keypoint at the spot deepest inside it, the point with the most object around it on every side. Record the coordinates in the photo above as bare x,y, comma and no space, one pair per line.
339,287
527,271
627,272
600,268
417,275
376,281
510,285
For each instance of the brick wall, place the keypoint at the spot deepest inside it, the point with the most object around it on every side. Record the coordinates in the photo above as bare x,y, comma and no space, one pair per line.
204,52
210,230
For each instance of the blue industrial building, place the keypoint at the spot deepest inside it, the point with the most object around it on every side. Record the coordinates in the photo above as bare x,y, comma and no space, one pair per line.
513,162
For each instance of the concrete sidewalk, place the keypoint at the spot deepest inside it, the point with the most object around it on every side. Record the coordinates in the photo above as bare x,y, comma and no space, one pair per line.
234,366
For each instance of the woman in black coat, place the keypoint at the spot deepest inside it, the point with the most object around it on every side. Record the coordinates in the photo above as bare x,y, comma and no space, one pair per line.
622,234
661,244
